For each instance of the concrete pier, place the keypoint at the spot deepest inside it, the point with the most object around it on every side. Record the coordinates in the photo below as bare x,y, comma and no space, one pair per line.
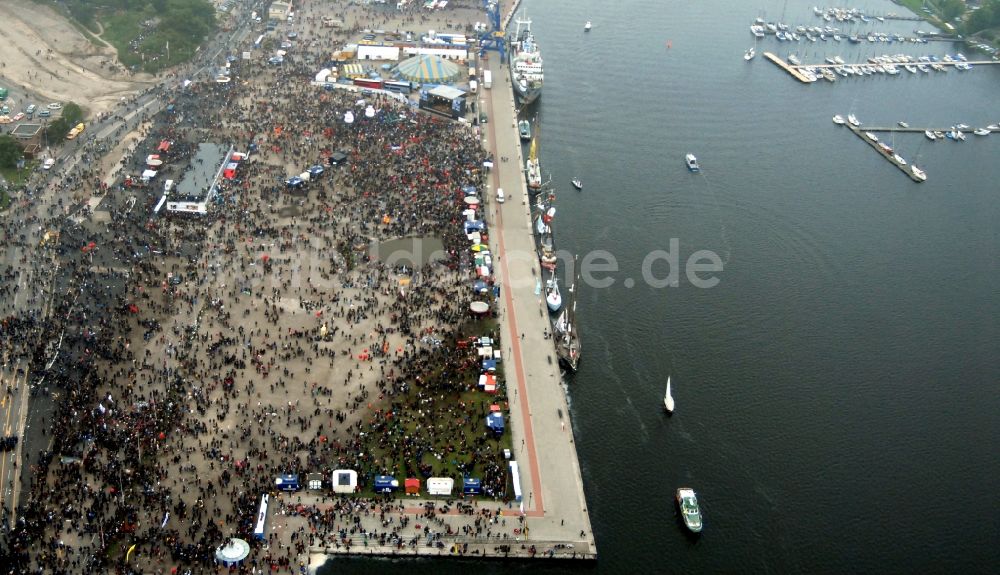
904,167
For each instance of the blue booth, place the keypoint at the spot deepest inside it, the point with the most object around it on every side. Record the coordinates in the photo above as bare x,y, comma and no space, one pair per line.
494,422
471,486
386,484
287,482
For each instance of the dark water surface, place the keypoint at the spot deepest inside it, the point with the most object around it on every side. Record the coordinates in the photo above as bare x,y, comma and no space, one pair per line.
837,405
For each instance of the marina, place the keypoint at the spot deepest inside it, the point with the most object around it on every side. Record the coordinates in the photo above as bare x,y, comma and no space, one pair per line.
809,73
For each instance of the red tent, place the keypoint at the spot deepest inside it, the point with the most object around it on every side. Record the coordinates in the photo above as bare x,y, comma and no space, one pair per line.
412,486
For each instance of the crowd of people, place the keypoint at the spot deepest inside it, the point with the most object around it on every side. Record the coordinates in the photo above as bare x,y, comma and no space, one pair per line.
202,356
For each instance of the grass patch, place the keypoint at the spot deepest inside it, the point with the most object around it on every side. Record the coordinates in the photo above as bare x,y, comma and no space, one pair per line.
15,177
4,200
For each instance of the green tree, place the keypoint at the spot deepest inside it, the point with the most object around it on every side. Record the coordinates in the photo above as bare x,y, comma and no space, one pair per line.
10,151
951,9
72,113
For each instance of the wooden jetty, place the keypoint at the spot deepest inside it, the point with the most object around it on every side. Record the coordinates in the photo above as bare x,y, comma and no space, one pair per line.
905,168
915,130
792,70
943,63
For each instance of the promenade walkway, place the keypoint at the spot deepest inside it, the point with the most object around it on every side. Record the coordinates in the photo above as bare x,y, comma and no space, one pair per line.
554,500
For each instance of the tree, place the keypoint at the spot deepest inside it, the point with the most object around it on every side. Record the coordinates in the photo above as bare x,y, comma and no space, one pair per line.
10,152
951,9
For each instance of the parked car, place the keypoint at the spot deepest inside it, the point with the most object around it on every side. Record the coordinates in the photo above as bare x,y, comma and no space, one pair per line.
44,114
55,106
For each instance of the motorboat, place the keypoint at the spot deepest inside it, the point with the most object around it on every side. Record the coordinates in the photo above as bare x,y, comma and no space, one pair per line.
668,399
853,120
993,127
749,54
839,120
871,136
577,183
524,130
692,163
553,298
690,511
918,173
930,135
899,159
794,59
586,27
981,132
903,124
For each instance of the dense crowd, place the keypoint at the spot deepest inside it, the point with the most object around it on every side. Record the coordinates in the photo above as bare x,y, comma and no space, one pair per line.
200,357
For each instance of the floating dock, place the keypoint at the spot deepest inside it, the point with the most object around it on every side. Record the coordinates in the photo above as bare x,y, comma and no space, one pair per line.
906,168
793,70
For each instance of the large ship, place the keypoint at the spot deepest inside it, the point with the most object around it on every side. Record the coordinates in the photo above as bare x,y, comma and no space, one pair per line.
526,71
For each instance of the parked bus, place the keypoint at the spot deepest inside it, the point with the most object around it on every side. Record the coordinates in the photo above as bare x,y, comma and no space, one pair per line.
399,87
368,83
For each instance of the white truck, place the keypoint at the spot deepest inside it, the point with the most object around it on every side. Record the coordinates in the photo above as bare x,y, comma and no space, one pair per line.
487,79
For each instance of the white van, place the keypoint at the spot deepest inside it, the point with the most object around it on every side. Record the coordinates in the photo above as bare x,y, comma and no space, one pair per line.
167,186
500,198
473,86
47,165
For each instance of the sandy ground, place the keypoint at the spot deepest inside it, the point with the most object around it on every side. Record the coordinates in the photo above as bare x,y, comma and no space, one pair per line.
45,54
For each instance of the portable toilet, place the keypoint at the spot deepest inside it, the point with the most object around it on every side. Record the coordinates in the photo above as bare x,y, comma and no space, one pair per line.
386,484
494,421
412,485
471,486
287,482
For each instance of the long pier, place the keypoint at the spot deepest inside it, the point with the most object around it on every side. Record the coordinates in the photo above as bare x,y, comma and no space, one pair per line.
914,130
905,168
943,63
792,70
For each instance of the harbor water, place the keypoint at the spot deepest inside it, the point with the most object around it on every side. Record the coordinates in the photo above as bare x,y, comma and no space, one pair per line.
836,390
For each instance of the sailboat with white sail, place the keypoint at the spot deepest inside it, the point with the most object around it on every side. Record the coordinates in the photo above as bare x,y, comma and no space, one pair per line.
668,399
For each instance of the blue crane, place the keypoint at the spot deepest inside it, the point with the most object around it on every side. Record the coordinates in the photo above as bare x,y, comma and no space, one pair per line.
493,37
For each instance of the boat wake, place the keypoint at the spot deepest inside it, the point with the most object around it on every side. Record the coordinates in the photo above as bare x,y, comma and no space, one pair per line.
612,375
723,231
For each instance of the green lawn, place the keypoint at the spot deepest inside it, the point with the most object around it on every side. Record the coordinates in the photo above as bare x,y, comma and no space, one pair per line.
17,177
4,200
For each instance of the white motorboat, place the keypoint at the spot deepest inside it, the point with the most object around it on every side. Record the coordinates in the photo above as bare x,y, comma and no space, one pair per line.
899,159
794,59
930,135
692,163
553,298
838,119
577,183
981,132
668,399
903,124
918,173
586,27
749,54
871,136
993,127
853,120
962,126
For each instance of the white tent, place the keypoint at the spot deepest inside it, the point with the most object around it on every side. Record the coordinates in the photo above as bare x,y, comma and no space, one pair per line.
440,485
323,75
345,481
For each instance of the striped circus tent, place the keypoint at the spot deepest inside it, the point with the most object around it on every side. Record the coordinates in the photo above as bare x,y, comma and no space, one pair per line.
353,71
429,69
